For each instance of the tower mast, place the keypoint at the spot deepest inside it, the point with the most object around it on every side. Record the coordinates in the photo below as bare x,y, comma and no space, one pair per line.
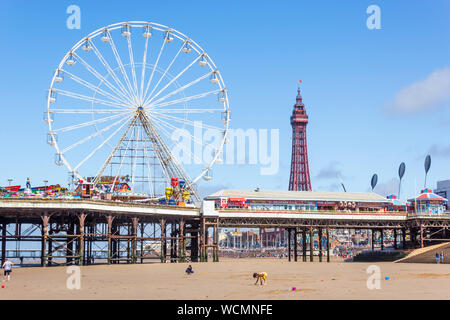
299,178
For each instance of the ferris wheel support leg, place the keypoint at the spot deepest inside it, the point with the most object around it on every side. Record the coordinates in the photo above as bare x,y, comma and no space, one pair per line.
105,165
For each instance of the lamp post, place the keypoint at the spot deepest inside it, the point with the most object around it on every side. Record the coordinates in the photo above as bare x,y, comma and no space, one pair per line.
45,181
9,181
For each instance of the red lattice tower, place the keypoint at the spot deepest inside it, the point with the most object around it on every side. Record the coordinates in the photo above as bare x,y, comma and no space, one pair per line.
300,179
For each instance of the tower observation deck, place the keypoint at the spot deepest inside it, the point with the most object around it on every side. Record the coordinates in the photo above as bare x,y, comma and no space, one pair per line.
299,179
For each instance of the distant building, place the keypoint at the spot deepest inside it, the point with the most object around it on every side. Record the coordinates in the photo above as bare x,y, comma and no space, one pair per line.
443,189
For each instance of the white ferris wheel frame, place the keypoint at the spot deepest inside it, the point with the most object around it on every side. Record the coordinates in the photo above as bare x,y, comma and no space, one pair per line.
154,26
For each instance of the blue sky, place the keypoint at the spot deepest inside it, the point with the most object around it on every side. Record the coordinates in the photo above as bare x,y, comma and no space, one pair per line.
355,82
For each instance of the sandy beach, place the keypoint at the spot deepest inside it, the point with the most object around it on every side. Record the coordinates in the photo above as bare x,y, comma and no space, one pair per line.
232,279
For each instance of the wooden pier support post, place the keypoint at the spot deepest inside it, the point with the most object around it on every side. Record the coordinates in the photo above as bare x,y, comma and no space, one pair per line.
320,244
45,219
3,242
295,244
142,241
304,245
382,238
182,243
109,221
81,260
134,222
395,239
328,243
216,241
372,233
163,240
311,244
403,238
69,243
289,244
421,235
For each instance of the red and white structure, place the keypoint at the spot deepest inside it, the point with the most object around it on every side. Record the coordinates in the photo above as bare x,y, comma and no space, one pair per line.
299,179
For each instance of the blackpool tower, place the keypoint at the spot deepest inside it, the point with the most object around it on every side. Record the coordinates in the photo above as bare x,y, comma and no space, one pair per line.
299,179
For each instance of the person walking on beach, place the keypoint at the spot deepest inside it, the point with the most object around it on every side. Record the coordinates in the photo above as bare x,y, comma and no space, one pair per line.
437,257
7,266
261,277
442,256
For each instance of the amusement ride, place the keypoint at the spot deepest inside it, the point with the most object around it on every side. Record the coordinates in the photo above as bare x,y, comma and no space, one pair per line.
137,109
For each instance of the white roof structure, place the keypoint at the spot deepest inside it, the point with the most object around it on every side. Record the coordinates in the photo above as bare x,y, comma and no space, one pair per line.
299,195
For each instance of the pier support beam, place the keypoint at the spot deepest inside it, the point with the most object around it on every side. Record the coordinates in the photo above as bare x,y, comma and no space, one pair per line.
81,219
403,238
382,239
109,221
163,240
181,244
289,244
320,244
311,244
421,235
134,222
3,242
45,219
372,232
328,243
395,239
295,244
304,244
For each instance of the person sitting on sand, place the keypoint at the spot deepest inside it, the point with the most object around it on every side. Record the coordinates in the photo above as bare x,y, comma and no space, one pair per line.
7,266
261,276
189,270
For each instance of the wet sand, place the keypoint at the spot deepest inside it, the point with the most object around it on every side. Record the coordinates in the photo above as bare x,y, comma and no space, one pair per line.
232,279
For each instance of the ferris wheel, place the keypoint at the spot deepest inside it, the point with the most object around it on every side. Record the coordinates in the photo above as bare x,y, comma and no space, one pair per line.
138,102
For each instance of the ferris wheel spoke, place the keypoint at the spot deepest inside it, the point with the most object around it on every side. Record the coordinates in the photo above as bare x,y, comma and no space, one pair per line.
133,69
150,98
182,88
153,72
165,71
93,135
175,128
123,94
90,99
144,63
85,111
99,147
88,123
185,99
122,69
167,134
94,88
186,121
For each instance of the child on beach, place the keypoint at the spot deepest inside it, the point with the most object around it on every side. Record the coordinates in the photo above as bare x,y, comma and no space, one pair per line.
7,266
442,256
261,277
437,257
189,270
